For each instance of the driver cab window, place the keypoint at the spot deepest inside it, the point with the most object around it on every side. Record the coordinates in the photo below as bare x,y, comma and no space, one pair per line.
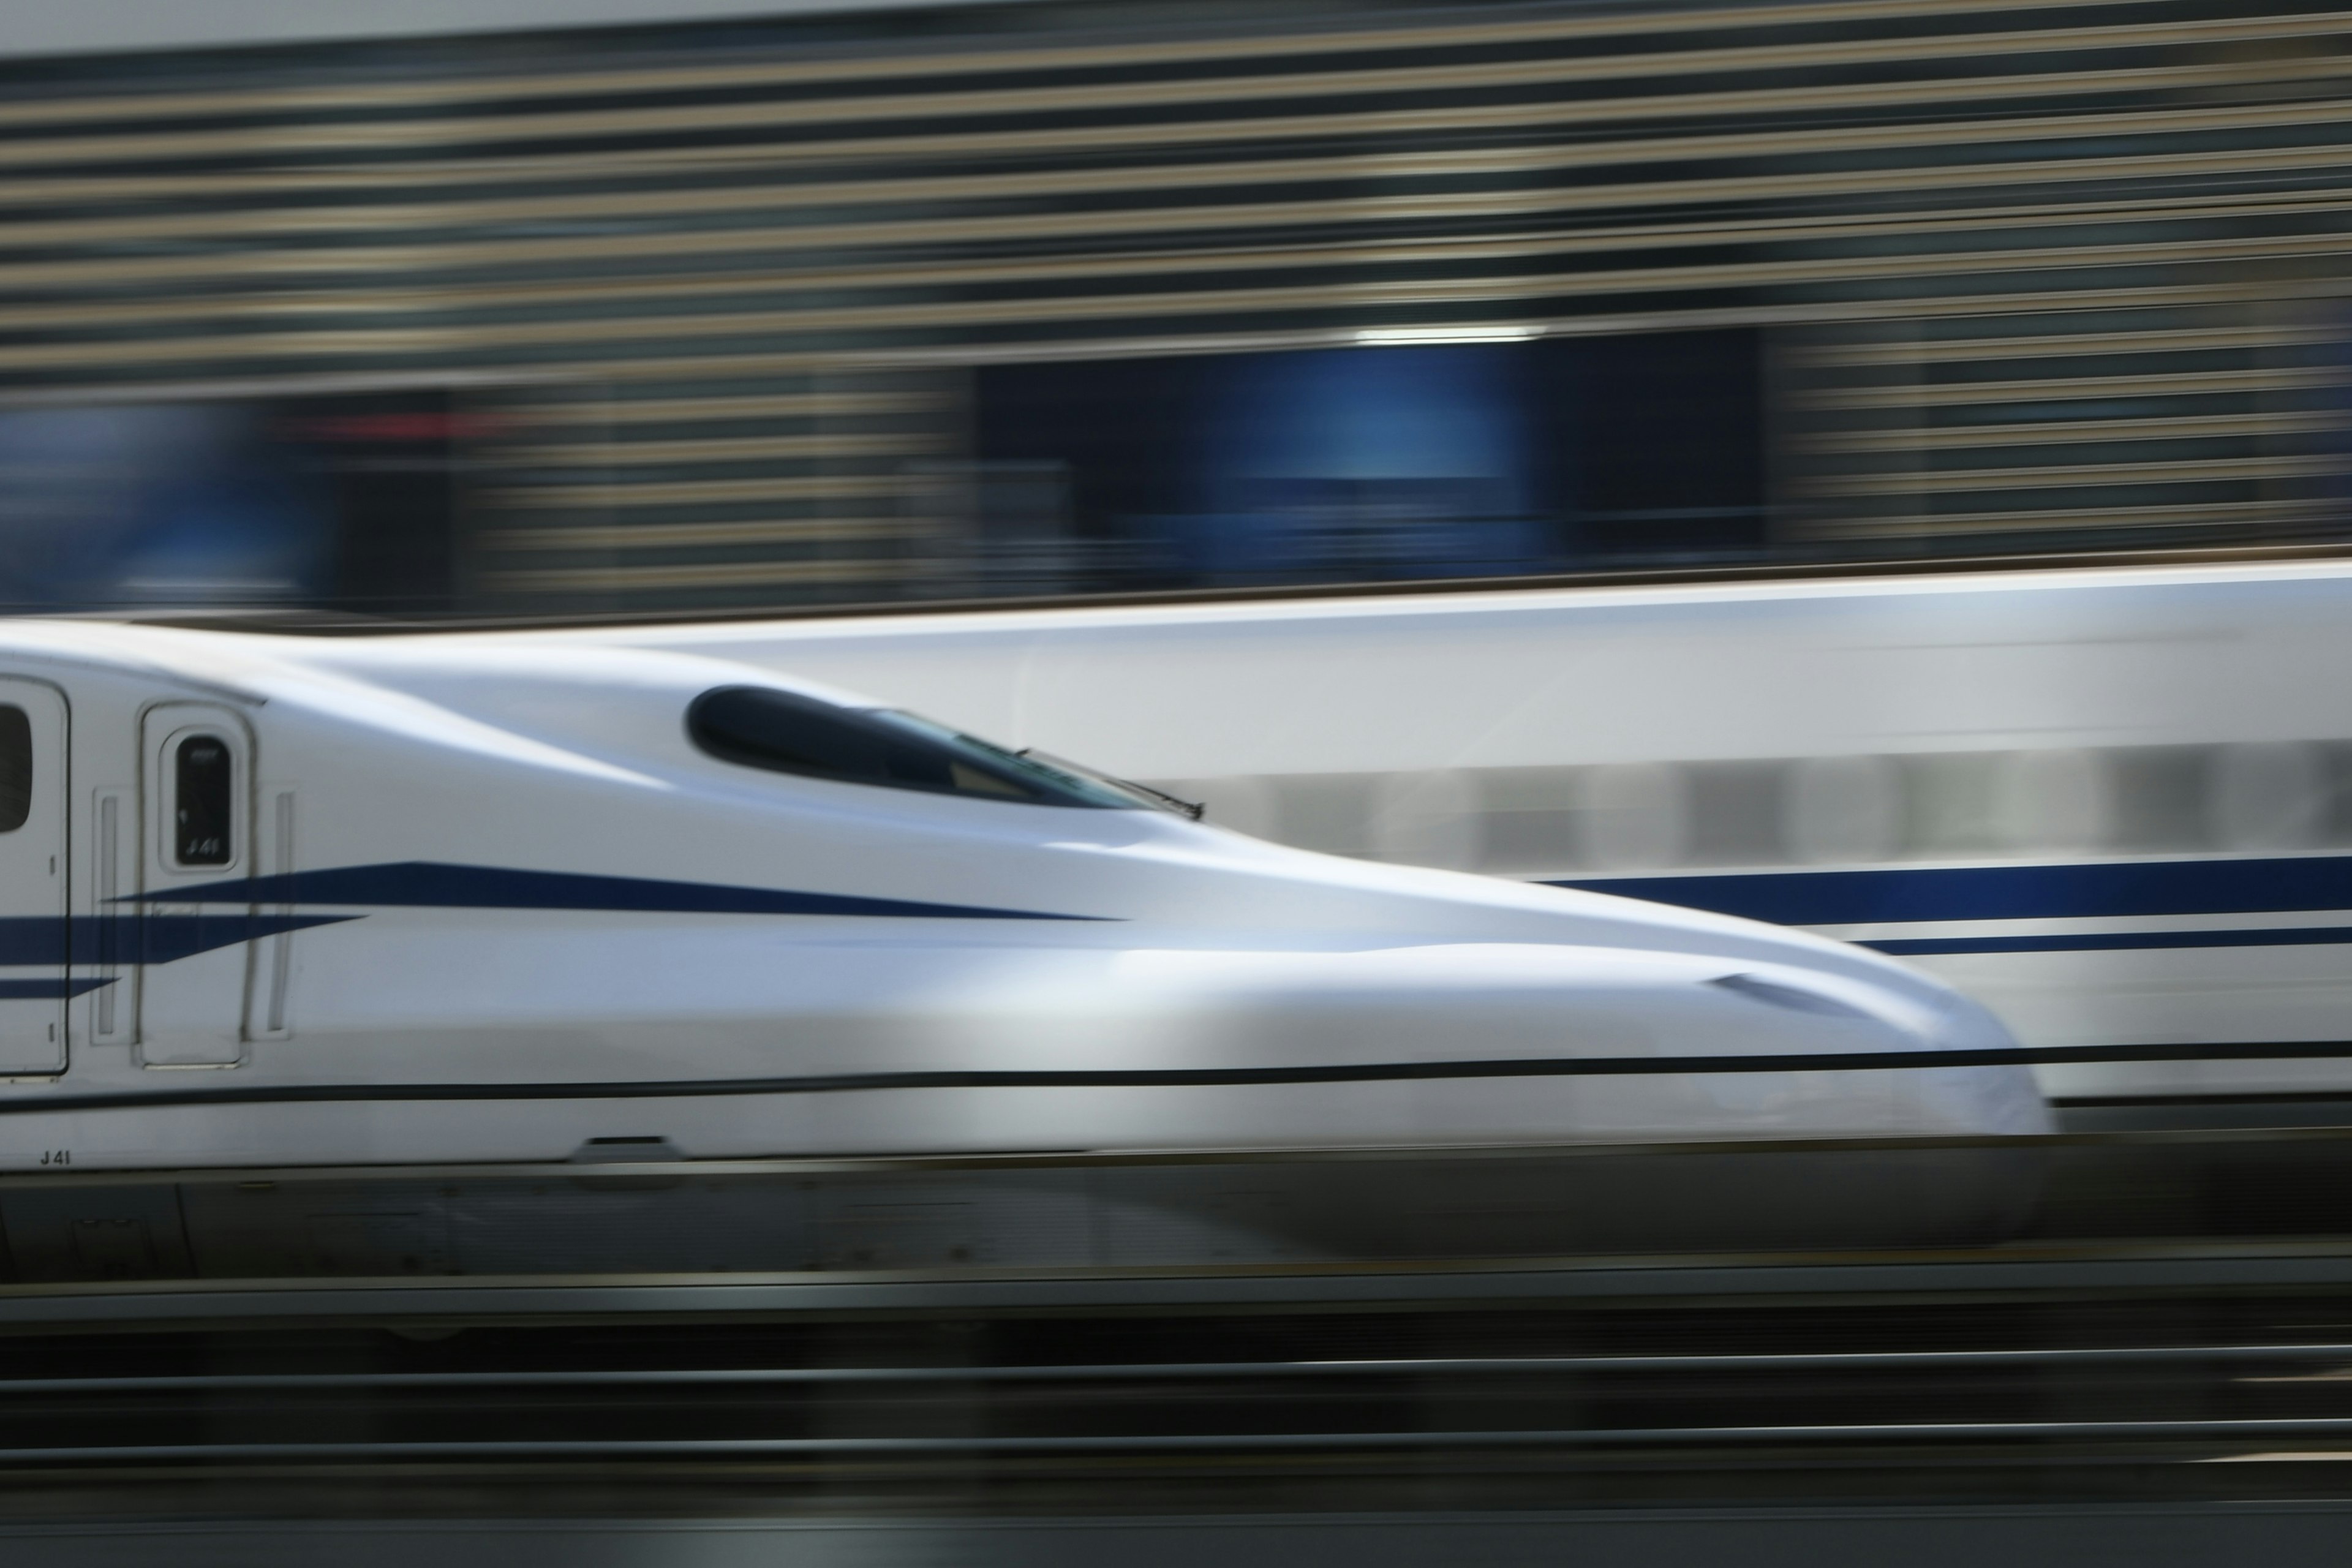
788,733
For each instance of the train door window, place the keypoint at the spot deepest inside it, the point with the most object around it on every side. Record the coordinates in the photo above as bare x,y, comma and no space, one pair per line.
204,801
197,773
15,767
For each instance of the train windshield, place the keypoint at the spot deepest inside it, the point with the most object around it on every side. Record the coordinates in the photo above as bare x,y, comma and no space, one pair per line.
786,733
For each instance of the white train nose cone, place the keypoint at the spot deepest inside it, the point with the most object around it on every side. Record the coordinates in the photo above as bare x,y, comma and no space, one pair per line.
1512,1041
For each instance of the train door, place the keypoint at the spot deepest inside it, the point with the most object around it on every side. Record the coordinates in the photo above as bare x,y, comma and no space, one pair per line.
196,783
33,878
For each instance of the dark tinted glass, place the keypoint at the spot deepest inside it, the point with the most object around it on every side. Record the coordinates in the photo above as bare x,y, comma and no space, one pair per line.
203,799
788,733
16,768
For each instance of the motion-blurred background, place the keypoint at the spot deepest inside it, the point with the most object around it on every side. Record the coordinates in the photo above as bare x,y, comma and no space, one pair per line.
595,312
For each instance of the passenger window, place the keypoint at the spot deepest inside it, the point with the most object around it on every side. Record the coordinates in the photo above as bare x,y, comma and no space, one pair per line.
16,768
204,801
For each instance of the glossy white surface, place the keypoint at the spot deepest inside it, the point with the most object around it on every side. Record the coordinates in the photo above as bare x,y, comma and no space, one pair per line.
1186,946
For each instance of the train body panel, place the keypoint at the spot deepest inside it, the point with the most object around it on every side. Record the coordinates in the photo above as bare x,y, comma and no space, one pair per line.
2114,805
458,899
1605,675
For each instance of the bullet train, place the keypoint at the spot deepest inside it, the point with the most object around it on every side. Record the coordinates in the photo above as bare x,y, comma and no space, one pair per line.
2113,804
278,901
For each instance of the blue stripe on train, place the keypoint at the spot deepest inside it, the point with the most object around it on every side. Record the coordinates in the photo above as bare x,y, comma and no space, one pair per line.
2117,941
52,990
2109,891
109,939
433,884
146,936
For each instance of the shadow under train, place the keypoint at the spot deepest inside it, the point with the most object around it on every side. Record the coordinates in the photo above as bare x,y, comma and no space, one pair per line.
598,1218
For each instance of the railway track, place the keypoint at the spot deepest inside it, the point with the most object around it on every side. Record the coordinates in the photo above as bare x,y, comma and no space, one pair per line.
2174,1323
2223,1372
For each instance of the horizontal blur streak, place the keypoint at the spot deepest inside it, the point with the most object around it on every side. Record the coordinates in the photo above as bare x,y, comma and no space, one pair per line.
108,26
865,305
